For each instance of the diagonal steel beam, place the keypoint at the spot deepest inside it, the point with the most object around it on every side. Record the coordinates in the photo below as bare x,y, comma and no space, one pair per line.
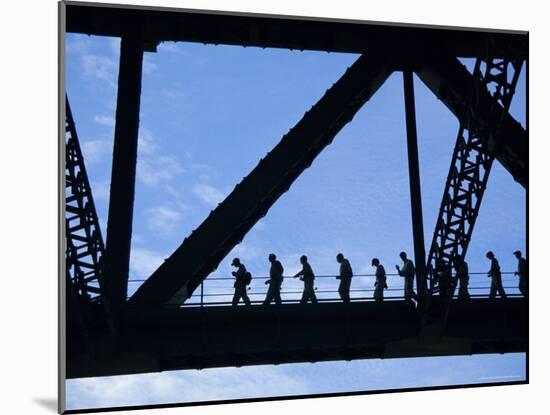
225,227
492,87
450,81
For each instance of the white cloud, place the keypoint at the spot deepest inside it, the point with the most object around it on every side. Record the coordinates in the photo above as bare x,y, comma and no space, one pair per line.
148,65
115,45
101,190
171,190
208,194
184,386
162,220
154,167
77,44
172,93
153,170
146,142
99,67
245,252
96,151
173,47
143,262
105,120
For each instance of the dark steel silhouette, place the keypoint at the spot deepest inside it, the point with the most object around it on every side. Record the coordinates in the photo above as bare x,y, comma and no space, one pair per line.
123,176
345,275
414,185
203,250
306,275
275,280
85,249
219,28
196,337
473,156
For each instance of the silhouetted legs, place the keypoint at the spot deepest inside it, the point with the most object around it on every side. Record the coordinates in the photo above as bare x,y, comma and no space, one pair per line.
496,287
409,292
379,293
343,289
240,292
463,293
445,288
309,293
273,293
523,286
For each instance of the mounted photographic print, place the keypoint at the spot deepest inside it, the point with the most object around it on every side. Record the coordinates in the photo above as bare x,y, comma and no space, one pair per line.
278,207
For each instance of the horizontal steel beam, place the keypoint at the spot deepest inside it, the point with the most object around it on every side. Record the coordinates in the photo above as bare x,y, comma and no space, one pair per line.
165,24
450,81
225,227
197,338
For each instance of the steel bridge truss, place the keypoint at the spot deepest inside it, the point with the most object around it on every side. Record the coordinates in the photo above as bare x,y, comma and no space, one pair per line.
480,101
146,334
471,163
85,248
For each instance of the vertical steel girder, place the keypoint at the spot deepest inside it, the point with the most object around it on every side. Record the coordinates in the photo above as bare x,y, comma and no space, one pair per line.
200,253
414,183
85,249
472,159
123,176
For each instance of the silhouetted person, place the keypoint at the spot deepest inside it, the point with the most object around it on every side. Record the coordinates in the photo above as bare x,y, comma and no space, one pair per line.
407,271
463,278
242,278
496,277
306,275
275,280
380,282
521,273
444,279
345,278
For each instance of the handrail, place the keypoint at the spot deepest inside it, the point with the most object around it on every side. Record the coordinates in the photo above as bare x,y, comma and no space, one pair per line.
215,278
208,297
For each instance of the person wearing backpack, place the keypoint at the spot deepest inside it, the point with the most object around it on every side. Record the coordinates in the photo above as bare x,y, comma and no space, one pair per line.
242,279
275,280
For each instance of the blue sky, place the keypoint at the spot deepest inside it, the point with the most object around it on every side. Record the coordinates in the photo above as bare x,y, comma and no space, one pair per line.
208,114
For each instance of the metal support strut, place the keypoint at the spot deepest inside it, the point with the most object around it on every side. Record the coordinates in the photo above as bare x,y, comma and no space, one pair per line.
471,163
85,249
123,178
414,182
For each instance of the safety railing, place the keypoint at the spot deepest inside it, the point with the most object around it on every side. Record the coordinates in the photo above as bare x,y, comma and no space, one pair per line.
219,290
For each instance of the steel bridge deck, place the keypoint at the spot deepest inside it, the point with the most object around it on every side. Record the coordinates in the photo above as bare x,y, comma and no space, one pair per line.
162,339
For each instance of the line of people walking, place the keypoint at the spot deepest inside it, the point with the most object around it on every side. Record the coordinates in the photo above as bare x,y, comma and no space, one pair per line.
442,274
448,284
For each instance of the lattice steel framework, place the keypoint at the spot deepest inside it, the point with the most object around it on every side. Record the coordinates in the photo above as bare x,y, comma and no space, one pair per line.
471,163
85,248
